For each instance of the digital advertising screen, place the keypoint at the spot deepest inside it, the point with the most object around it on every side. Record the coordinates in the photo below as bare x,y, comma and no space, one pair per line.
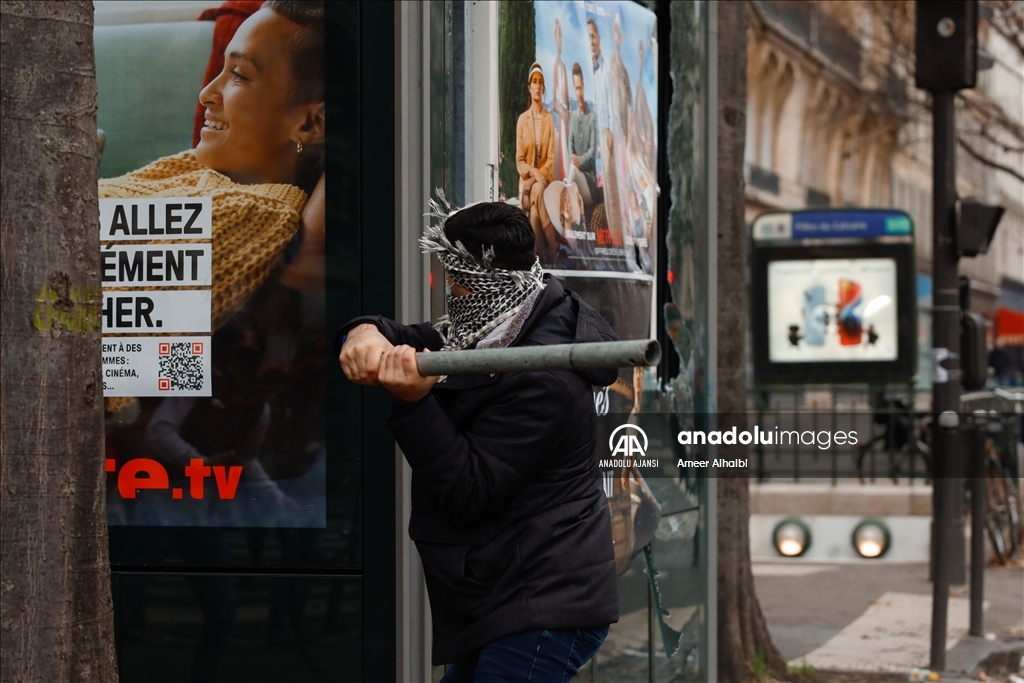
832,310
833,297
212,234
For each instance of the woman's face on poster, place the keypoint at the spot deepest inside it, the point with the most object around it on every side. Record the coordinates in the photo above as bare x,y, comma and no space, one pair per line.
536,87
252,124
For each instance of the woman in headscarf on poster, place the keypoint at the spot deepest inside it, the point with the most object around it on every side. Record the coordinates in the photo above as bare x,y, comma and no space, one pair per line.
260,160
535,160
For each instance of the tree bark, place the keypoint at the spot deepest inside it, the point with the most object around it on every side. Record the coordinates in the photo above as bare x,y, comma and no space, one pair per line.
56,615
743,636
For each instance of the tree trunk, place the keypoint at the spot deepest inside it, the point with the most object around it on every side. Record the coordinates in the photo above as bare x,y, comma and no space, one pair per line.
743,637
56,615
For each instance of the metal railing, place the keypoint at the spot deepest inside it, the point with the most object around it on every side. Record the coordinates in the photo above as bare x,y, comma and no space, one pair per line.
891,425
1005,408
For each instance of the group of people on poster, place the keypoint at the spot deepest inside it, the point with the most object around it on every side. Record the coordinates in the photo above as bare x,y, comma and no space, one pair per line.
586,145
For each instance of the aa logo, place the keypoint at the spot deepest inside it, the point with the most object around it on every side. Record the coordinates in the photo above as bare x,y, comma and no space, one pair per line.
627,444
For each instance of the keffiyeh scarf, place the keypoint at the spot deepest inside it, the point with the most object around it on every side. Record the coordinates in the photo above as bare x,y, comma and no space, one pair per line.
497,294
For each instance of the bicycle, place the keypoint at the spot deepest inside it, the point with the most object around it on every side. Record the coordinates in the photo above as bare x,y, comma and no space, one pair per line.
1003,512
899,423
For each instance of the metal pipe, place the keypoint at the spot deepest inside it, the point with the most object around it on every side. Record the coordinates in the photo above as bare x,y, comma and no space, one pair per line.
585,356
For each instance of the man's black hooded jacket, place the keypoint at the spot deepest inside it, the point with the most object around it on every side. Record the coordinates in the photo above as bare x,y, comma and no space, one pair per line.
508,512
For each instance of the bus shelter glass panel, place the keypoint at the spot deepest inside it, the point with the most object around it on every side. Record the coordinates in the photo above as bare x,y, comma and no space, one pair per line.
615,185
226,415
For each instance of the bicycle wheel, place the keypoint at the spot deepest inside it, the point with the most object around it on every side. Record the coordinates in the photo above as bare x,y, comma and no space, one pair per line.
1003,516
1014,511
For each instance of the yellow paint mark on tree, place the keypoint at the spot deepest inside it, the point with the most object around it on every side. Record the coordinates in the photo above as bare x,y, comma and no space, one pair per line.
66,308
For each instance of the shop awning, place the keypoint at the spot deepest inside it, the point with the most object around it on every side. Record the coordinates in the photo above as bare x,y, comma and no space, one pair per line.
1009,327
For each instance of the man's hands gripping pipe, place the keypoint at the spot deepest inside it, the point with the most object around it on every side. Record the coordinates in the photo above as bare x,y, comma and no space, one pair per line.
368,358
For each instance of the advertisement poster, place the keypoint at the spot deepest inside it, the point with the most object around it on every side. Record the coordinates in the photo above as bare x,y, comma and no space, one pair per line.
152,289
211,237
578,111
832,310
582,131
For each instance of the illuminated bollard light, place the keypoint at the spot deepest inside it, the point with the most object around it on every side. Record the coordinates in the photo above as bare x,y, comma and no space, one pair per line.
871,538
791,537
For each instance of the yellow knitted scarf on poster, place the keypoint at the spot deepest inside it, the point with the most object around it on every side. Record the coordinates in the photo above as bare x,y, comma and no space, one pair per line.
252,224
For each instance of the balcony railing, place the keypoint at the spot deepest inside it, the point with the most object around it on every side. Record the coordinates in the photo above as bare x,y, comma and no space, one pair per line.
763,179
793,14
817,198
895,90
817,30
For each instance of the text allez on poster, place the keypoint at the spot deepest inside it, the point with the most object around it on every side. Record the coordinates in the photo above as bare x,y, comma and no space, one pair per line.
156,269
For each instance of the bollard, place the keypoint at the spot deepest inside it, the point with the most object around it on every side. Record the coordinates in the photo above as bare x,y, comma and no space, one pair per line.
586,356
978,511
946,432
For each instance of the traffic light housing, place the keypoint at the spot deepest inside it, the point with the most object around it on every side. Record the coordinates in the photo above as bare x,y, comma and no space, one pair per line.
976,225
946,44
973,352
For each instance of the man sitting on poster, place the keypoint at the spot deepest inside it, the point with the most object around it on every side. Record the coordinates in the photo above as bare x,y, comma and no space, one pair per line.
603,107
582,142
508,514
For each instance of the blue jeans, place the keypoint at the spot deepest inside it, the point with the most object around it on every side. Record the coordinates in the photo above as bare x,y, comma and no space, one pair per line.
549,656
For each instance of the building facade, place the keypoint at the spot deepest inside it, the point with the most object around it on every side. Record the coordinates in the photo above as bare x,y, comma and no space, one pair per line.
834,119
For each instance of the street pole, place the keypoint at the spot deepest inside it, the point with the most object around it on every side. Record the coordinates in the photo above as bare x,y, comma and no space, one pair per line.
946,60
946,361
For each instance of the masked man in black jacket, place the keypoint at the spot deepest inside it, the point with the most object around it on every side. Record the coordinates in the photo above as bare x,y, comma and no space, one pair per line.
508,513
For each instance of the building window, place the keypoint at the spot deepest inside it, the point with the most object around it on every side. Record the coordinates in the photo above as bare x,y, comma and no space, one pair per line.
749,146
849,180
767,137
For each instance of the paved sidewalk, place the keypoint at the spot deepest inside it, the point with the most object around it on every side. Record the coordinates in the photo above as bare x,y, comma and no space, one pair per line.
876,617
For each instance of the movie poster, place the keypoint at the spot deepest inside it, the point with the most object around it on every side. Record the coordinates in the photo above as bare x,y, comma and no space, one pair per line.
578,109
211,235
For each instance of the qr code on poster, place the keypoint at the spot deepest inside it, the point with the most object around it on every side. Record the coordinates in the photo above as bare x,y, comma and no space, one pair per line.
181,366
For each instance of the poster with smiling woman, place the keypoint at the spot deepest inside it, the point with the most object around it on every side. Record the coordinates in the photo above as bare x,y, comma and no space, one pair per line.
211,232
